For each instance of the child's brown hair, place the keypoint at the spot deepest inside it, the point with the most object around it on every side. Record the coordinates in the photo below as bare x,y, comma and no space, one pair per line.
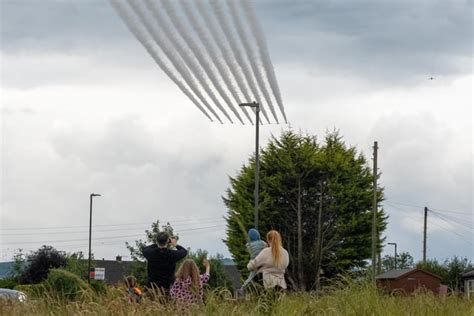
131,281
189,269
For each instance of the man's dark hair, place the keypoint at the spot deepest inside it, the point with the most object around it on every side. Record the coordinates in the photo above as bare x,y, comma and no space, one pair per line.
162,238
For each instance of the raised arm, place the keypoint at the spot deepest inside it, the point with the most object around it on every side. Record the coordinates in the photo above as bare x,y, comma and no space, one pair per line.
179,253
205,277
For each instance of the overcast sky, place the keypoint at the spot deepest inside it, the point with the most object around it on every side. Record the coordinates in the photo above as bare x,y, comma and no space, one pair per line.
85,109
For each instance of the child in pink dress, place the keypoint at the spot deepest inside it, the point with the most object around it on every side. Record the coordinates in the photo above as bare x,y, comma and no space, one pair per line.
188,286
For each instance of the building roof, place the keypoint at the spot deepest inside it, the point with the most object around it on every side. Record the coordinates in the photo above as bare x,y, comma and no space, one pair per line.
396,274
468,274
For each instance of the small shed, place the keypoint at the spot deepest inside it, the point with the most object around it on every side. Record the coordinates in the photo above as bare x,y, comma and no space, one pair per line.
408,280
467,280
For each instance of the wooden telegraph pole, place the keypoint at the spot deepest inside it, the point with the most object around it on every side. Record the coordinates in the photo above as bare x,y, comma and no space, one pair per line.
374,215
424,234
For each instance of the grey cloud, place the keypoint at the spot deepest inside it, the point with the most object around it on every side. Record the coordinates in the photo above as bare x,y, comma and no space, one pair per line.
382,39
419,166
65,26
396,42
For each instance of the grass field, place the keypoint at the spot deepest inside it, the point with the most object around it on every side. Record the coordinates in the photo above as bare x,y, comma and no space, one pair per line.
346,299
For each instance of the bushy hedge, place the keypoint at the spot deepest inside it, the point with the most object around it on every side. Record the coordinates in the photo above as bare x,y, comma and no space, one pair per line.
99,287
32,290
8,283
66,284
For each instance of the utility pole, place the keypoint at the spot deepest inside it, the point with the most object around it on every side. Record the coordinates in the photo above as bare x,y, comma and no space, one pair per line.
90,239
374,214
424,234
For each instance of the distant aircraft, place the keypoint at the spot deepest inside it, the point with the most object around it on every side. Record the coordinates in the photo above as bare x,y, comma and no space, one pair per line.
431,78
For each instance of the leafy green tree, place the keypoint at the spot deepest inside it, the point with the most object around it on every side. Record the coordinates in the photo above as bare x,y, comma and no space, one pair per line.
136,251
39,263
404,261
78,264
454,268
318,196
450,270
433,266
19,264
218,278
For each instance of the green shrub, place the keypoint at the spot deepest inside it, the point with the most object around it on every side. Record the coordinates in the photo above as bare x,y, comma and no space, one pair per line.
219,278
99,287
32,290
66,284
8,283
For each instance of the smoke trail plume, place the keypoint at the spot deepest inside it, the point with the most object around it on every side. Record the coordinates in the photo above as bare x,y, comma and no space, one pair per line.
213,53
251,55
265,56
144,39
218,12
196,49
180,48
224,46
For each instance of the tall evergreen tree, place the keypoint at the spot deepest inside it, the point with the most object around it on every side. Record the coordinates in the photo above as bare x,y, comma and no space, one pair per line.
319,196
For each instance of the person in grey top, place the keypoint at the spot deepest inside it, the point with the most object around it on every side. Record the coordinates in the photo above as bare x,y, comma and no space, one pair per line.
254,246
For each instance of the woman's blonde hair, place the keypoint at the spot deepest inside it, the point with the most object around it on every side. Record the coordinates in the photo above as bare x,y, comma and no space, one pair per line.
189,269
274,241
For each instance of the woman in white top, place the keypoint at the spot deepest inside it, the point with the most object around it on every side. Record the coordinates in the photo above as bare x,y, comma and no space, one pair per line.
271,262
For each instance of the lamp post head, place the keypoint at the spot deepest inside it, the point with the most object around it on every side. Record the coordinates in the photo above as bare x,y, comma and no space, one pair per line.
392,243
95,194
252,104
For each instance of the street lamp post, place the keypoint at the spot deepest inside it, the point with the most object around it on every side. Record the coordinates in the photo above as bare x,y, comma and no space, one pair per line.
90,238
394,244
256,106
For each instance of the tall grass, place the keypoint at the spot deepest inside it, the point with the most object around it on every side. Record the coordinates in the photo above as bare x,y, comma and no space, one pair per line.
344,298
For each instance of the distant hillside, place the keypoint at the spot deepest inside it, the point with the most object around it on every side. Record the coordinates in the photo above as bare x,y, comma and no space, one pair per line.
5,269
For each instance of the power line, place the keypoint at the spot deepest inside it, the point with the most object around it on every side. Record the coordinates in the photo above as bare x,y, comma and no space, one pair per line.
436,209
96,243
406,211
431,222
108,225
454,219
452,231
109,230
454,212
104,238
449,221
462,221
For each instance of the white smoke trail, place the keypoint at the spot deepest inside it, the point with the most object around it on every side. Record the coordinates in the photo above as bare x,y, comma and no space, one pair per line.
224,46
263,49
251,55
178,46
196,49
144,39
218,12
214,54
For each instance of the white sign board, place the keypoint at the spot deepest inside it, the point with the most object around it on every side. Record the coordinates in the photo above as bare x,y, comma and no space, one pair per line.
99,273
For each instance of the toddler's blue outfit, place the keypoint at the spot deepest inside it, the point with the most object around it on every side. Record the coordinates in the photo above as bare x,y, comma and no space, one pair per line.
254,246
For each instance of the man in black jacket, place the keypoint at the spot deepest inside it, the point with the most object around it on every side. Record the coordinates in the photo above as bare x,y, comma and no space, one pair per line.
161,261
